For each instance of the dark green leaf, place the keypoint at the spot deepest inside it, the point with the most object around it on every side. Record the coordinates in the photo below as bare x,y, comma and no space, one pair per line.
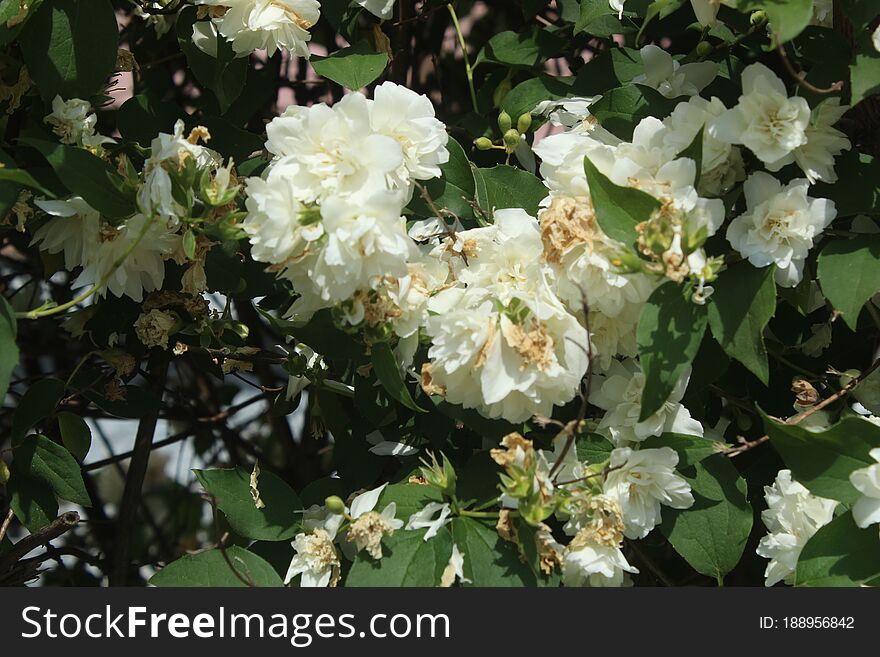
691,449
840,554
488,559
70,47
36,404
354,67
712,534
385,366
409,560
211,569
508,187
739,310
33,502
54,466
88,176
669,333
278,521
75,434
823,460
618,209
453,191
849,272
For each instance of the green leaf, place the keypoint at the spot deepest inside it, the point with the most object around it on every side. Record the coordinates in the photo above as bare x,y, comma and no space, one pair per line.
691,449
739,310
409,560
88,176
409,498
823,460
37,403
225,75
839,554
593,448
508,187
385,366
70,47
75,434
618,209
849,273
788,18
22,177
455,188
658,9
354,67
865,75
488,559
517,49
277,521
712,534
525,96
597,18
8,347
30,499
210,569
668,335
54,466
621,109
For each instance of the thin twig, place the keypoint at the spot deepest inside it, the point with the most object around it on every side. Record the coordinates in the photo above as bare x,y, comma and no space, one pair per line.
800,76
61,525
796,419
6,522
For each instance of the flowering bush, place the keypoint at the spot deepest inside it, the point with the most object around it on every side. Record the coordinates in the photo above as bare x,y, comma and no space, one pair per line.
502,293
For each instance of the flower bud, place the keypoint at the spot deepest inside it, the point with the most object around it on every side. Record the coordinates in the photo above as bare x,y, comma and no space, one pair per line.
511,139
335,504
757,17
524,122
504,121
4,473
704,49
439,475
483,143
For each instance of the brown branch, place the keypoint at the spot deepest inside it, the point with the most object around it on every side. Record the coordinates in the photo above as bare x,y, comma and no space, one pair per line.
800,417
800,76
6,522
137,470
61,525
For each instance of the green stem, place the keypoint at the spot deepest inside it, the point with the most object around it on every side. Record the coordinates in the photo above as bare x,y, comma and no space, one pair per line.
479,514
54,310
464,53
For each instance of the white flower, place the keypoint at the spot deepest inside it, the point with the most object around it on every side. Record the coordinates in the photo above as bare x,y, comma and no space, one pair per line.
408,118
381,8
792,517
766,120
824,142
596,566
74,123
779,225
640,481
617,5
71,231
426,518
315,559
875,39
866,510
271,24
562,161
722,164
454,569
170,153
619,393
511,361
368,526
334,151
143,269
671,78
572,112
